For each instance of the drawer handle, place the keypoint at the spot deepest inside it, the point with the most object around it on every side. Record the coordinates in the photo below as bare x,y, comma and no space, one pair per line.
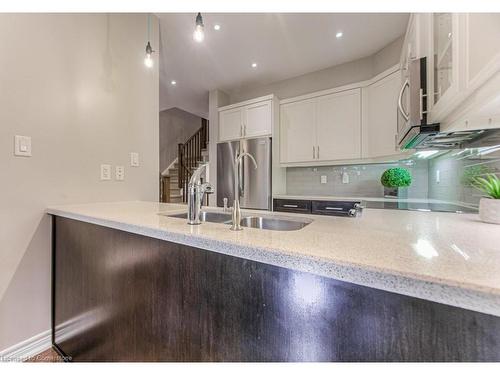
334,208
290,206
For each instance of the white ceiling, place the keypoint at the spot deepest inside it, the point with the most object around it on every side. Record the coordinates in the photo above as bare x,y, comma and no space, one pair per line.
283,45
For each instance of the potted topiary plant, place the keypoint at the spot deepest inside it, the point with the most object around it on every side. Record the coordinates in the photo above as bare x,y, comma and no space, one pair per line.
393,179
489,207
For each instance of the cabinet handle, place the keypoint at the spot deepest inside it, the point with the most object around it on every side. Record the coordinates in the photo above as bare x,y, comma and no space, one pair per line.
400,100
314,154
334,208
291,206
317,153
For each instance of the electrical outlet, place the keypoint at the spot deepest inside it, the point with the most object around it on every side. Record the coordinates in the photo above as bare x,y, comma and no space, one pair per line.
120,173
134,159
22,145
345,177
324,179
105,172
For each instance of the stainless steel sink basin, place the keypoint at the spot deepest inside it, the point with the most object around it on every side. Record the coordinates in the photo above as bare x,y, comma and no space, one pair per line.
272,223
211,217
258,222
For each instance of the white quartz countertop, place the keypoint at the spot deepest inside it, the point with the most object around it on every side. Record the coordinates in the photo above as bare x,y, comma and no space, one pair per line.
443,257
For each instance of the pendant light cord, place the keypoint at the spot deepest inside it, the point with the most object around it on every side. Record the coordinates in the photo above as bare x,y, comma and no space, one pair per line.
149,26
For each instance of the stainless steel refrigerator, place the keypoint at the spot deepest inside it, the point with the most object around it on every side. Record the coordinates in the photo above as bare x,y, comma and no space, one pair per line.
255,184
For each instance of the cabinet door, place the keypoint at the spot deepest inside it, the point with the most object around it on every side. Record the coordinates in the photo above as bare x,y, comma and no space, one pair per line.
444,63
297,131
338,126
230,124
258,119
380,117
482,41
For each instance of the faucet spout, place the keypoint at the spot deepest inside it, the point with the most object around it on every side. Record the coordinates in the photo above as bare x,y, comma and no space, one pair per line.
236,218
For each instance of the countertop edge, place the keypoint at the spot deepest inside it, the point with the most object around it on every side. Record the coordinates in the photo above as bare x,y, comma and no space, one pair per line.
432,291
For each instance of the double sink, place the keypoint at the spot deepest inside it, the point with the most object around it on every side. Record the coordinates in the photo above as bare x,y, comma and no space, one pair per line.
258,222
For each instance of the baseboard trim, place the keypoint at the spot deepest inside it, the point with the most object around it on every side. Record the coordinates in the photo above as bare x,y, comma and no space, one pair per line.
27,348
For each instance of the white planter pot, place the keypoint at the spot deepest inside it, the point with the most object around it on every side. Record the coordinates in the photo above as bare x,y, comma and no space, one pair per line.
489,210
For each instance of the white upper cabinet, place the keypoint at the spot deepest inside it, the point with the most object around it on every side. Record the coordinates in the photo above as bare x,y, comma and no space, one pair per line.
230,124
257,120
379,102
298,131
321,129
253,118
482,42
463,56
444,61
338,126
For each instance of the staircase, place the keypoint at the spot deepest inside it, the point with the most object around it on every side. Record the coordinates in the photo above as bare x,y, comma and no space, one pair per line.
172,192
190,155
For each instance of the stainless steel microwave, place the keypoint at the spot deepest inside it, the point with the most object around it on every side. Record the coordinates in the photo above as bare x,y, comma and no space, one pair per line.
412,106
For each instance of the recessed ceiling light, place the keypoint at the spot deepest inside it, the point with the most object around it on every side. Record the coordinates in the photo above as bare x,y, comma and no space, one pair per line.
339,34
217,27
173,83
254,65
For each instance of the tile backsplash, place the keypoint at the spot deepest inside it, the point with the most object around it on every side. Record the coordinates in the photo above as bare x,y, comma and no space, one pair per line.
450,174
363,180
443,176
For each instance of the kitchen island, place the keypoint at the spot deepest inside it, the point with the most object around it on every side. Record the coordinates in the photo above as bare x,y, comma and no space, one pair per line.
389,285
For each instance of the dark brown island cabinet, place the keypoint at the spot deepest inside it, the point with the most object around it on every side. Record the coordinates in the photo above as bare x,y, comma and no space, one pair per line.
119,296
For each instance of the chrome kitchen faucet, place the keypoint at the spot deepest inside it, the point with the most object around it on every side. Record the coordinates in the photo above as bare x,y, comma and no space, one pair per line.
196,191
236,225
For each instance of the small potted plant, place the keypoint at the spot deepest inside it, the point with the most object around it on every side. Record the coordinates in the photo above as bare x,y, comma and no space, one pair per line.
489,207
393,179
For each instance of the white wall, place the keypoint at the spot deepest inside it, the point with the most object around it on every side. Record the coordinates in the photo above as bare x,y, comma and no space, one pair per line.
335,76
78,86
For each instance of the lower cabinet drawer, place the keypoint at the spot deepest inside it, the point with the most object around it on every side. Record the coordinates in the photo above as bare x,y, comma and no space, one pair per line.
331,208
288,205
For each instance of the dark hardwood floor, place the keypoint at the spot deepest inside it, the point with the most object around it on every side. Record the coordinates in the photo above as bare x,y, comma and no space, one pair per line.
50,355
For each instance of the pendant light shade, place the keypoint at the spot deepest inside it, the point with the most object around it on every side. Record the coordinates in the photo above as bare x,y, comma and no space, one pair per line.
148,60
199,32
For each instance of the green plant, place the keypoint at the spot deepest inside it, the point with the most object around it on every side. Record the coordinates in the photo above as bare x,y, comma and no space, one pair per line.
489,185
396,177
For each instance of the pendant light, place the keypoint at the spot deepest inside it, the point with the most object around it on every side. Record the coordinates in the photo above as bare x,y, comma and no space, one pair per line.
199,33
148,60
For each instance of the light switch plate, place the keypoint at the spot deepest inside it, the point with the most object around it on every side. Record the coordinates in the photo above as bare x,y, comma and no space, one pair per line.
120,173
105,172
324,179
22,145
134,159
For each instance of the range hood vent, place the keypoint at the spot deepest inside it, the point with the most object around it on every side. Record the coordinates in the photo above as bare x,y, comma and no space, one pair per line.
431,139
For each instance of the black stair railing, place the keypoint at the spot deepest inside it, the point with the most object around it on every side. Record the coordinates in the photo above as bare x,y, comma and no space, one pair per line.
190,154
